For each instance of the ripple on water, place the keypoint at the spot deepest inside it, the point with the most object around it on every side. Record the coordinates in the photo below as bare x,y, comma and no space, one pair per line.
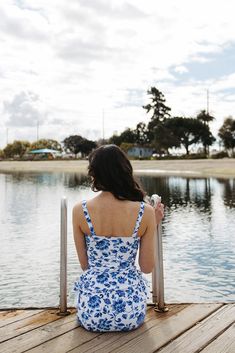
198,237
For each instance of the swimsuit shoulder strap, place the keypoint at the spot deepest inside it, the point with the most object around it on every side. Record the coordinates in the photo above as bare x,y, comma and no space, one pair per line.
87,216
139,218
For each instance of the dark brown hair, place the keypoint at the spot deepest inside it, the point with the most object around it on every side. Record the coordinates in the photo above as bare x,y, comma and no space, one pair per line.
111,170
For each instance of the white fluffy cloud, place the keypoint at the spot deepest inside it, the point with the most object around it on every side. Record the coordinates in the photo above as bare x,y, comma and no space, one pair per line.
64,62
23,110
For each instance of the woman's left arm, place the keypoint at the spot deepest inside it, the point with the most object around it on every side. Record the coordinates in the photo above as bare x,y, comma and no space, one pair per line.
79,238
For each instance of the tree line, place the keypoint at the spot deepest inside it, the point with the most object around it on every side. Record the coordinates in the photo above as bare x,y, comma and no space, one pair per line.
165,132
73,144
162,133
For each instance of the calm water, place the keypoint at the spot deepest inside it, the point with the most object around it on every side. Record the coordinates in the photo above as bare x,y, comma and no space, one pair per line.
198,237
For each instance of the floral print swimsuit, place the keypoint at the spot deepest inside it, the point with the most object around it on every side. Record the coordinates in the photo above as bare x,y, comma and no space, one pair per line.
111,293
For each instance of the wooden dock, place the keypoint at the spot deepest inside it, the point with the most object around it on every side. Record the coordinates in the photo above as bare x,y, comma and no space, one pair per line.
185,328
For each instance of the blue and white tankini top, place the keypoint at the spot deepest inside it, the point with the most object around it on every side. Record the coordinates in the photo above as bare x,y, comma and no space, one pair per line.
112,293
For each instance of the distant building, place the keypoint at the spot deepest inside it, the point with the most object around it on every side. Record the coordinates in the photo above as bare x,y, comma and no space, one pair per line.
140,152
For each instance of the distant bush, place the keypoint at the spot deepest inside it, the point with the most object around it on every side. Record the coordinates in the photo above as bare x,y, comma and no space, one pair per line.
185,156
194,156
222,154
165,157
1,154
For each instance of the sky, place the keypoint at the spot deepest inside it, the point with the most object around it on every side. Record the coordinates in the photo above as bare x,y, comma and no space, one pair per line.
84,66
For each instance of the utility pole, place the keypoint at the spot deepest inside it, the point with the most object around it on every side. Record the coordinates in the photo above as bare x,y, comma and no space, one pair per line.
103,124
7,135
207,101
37,130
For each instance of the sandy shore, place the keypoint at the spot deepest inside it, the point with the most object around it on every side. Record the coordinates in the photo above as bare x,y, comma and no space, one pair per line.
224,168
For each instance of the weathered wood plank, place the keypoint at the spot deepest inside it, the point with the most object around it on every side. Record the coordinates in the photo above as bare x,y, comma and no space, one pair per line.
166,330
69,339
181,324
115,339
5,314
39,335
204,332
225,343
65,342
27,324
8,317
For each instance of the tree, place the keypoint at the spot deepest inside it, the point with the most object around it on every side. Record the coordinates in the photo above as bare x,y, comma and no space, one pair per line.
128,136
227,133
207,139
165,137
160,112
141,133
17,148
206,118
125,146
77,143
87,146
189,131
115,139
46,143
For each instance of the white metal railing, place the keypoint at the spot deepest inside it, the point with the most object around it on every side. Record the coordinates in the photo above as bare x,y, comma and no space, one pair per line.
157,274
63,258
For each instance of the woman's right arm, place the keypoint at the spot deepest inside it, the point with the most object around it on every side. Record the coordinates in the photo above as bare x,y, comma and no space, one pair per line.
79,237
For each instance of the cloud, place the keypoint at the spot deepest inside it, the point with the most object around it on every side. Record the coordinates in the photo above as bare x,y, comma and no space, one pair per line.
24,110
83,56
82,18
120,10
23,24
131,97
57,121
84,51
180,69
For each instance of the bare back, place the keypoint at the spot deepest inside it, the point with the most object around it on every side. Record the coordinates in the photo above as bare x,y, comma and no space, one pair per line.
113,217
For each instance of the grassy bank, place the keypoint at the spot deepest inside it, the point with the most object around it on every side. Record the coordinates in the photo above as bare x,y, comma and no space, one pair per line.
201,167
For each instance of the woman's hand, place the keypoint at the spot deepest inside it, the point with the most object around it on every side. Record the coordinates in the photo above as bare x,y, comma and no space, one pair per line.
159,212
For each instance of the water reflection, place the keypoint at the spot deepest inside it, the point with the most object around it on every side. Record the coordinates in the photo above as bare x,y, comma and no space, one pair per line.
198,236
228,191
73,180
178,191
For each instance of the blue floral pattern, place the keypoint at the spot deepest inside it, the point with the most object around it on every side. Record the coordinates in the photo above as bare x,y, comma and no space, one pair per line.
111,293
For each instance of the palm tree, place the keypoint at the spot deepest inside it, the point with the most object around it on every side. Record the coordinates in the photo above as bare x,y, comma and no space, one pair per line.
205,118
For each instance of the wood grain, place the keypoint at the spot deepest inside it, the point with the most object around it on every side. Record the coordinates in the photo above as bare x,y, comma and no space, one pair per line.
225,343
204,332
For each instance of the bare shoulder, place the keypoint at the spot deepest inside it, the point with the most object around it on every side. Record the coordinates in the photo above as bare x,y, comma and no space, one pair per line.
77,210
148,211
77,206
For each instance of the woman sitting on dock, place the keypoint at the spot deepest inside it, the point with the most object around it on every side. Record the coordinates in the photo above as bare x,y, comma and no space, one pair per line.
108,230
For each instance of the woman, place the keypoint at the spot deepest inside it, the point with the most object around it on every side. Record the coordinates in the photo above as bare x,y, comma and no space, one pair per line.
108,230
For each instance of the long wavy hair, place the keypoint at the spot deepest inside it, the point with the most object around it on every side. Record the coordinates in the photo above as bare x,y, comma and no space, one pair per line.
110,170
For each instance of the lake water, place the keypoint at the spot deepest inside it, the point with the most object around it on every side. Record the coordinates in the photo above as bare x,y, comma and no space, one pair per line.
198,237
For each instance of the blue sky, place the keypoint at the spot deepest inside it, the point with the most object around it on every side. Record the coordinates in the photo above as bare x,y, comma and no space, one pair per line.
215,66
69,64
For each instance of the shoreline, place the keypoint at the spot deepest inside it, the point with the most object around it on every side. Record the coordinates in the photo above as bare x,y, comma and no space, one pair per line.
221,168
